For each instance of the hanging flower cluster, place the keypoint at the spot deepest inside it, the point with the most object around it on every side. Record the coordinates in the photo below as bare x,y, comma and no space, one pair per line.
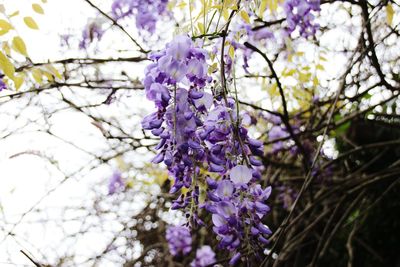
146,12
299,15
179,240
115,183
238,208
92,32
202,131
205,256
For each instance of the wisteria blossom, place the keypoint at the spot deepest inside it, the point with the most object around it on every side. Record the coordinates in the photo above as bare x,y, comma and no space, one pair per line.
205,256
115,183
146,12
2,85
299,14
92,32
179,240
197,131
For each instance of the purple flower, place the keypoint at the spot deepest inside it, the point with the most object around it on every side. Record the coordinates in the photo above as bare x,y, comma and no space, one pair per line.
146,12
92,32
205,256
115,183
241,175
179,240
225,189
198,130
235,259
299,14
2,85
276,133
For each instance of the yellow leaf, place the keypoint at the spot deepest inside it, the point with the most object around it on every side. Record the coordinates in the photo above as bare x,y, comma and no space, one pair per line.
231,52
273,5
6,66
289,73
262,8
320,67
225,14
44,1
304,77
37,75
54,71
322,58
18,80
4,27
30,22
315,81
6,48
19,45
272,90
213,68
48,75
201,27
181,5
389,14
245,16
16,13
38,8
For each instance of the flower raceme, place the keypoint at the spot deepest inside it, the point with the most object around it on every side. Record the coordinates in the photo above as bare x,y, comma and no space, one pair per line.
179,240
205,256
146,12
201,136
299,14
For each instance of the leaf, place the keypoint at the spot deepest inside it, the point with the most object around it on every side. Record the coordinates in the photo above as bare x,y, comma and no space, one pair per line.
30,22
18,80
48,75
37,75
320,67
19,45
389,14
6,66
4,27
262,8
6,48
16,13
273,5
38,8
201,27
315,81
54,71
245,16
304,77
231,52
213,68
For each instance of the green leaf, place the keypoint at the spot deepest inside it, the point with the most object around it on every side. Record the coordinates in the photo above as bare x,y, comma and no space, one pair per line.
30,22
